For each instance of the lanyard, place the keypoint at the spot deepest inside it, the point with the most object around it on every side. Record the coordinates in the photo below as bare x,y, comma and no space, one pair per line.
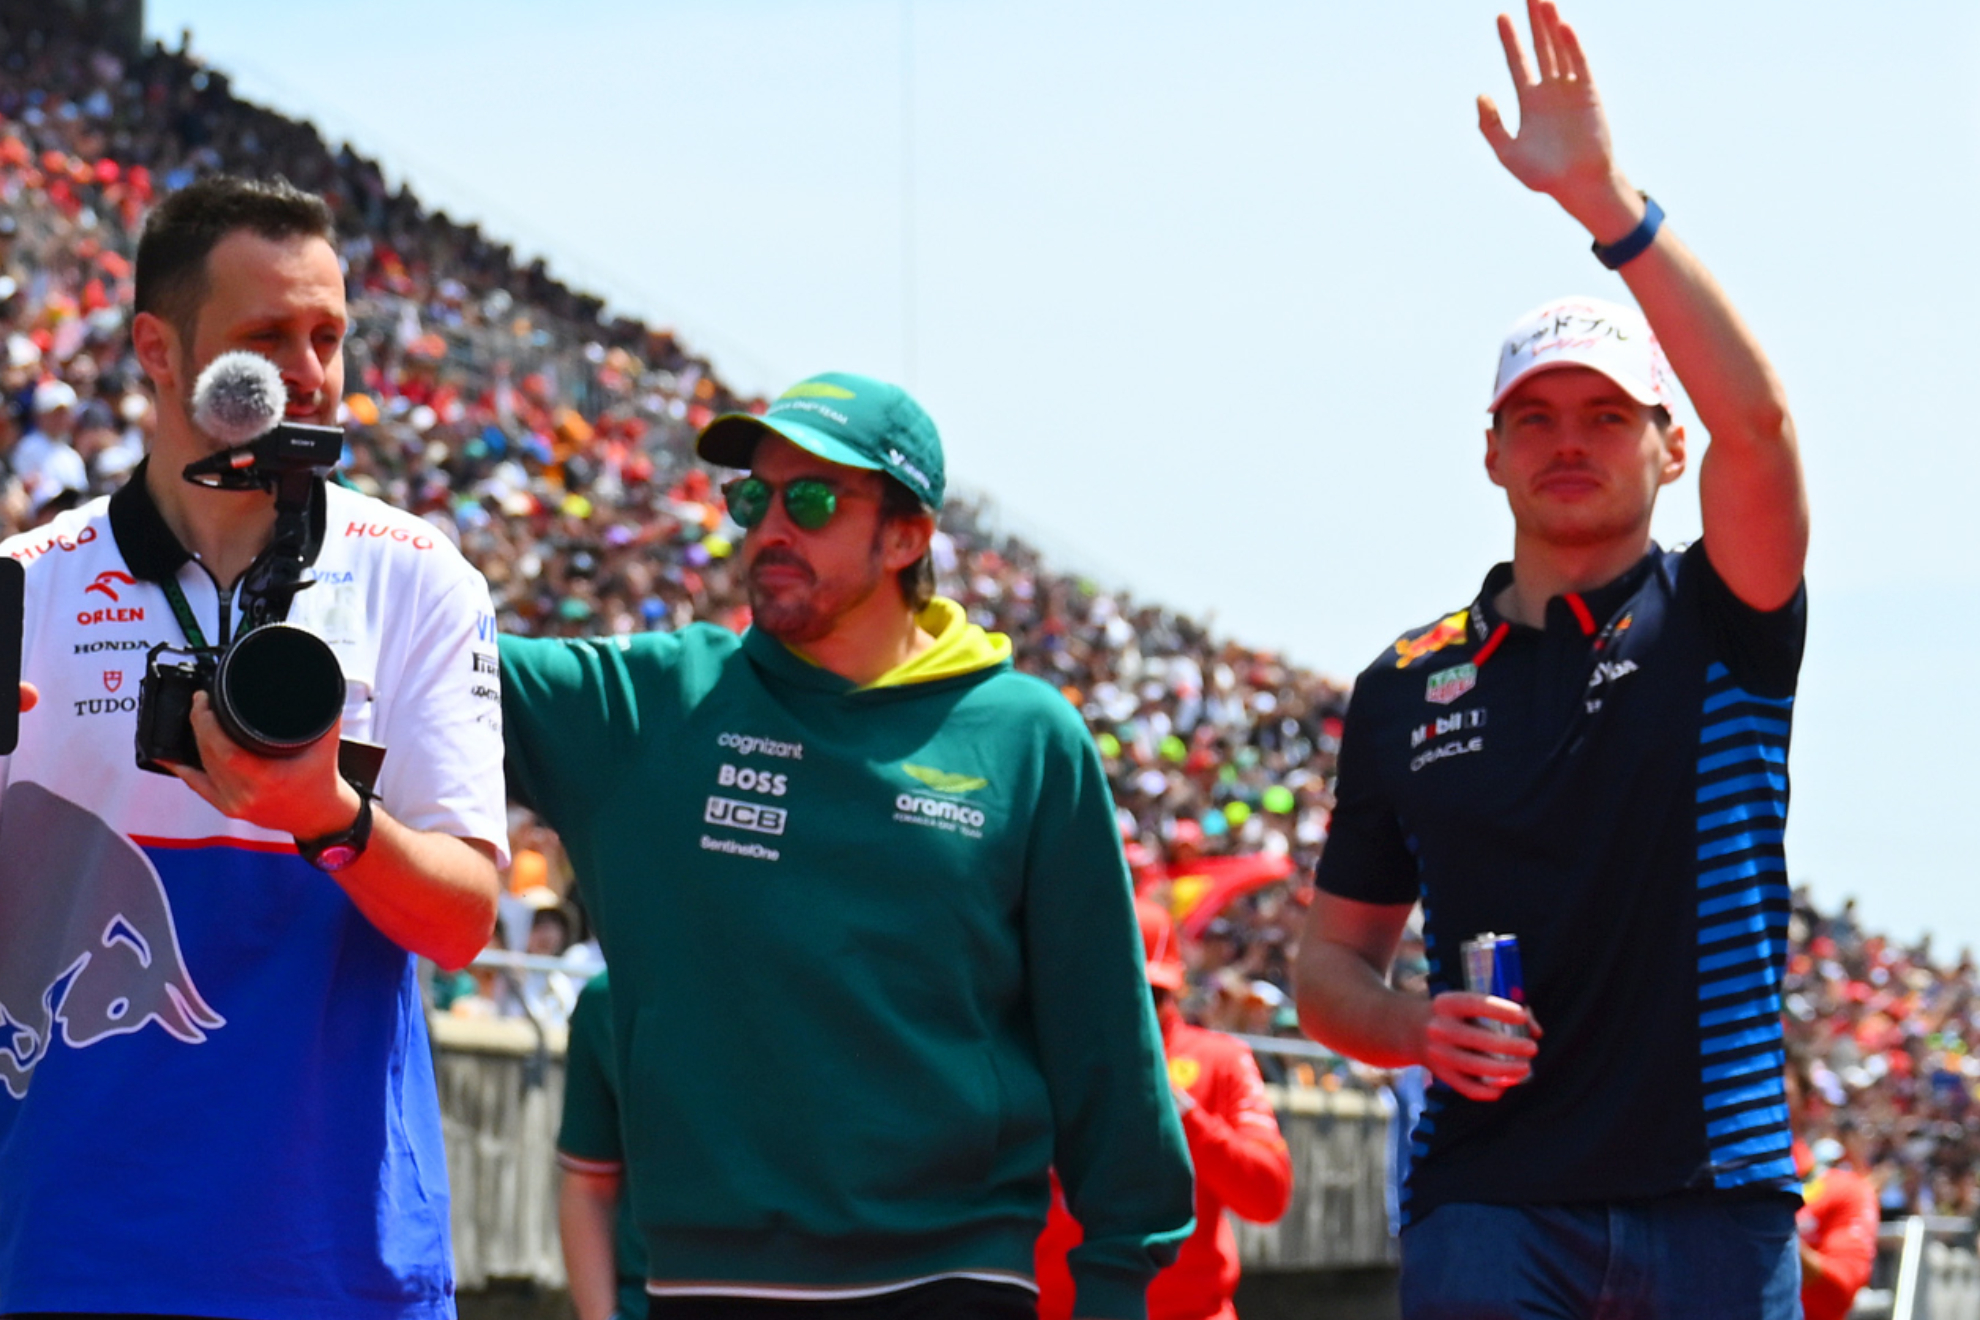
189,625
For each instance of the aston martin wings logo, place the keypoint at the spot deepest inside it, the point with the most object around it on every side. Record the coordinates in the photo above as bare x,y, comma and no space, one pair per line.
944,782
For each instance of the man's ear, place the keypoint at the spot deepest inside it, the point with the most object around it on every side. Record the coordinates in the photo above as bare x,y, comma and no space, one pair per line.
1492,455
1674,455
906,540
159,352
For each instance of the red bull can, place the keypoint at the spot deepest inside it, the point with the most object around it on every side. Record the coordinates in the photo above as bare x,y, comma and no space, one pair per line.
1491,967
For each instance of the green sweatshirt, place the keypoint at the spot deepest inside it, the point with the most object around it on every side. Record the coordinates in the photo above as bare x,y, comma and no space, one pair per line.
874,960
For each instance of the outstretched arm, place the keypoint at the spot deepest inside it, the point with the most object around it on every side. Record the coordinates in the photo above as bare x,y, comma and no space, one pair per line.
1750,483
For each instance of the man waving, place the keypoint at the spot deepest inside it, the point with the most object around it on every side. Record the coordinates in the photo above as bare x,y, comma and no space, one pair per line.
1592,756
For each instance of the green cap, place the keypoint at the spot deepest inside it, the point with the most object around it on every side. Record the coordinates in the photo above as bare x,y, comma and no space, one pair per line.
855,421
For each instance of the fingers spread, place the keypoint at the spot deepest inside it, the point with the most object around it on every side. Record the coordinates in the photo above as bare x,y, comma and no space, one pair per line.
1493,127
1544,56
1522,72
1575,58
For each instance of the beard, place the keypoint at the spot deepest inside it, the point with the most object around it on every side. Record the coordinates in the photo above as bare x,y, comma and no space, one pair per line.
805,611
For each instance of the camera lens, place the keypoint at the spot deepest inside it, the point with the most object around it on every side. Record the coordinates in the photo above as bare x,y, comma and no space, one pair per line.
278,690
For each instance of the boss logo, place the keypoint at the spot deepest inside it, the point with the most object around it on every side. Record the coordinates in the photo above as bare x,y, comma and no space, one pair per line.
745,815
752,781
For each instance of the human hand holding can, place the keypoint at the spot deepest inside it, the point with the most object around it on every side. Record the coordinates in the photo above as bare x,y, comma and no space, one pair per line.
1491,967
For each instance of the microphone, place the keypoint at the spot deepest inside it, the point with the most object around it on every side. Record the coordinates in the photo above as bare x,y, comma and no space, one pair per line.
238,398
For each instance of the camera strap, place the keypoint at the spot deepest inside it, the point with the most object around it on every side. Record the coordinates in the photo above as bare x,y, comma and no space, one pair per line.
182,611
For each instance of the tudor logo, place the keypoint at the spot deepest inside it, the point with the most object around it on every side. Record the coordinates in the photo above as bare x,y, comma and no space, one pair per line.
112,679
108,580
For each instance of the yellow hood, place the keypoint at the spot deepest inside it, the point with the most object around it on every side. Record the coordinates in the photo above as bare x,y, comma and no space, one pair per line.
961,647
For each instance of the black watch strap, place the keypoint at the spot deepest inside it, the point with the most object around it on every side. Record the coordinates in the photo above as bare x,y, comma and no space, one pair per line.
334,852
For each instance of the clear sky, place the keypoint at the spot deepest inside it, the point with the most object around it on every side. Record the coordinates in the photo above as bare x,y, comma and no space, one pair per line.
1207,296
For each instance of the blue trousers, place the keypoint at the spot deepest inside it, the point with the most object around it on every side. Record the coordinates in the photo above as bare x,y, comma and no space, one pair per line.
1685,1258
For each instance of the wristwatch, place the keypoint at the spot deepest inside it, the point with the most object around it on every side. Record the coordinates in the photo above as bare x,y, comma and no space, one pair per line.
334,852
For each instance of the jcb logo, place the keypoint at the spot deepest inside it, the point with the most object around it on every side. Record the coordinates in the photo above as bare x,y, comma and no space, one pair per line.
745,815
752,781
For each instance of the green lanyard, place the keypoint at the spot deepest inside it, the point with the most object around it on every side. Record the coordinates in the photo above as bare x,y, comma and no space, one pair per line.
187,623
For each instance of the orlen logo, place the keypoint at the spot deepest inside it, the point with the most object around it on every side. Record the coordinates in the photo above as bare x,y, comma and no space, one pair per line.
745,815
107,582
752,781
912,804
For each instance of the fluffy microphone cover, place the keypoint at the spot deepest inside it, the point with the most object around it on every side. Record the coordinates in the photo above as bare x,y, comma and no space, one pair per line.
238,398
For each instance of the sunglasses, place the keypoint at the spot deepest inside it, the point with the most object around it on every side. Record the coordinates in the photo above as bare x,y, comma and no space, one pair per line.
809,502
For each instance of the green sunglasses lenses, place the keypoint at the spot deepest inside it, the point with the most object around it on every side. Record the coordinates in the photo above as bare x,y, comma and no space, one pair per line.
809,502
749,500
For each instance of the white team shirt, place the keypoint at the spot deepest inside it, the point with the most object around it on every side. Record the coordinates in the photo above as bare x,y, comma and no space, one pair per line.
408,618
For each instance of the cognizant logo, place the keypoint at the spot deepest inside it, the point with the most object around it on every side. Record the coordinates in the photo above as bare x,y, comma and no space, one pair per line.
748,744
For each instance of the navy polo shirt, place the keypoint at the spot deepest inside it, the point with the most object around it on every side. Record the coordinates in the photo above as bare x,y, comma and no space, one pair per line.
1612,789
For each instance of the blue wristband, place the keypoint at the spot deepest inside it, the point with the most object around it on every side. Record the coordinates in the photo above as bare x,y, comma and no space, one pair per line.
1625,250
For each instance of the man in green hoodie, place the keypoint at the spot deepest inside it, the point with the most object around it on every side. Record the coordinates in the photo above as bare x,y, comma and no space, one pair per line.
874,957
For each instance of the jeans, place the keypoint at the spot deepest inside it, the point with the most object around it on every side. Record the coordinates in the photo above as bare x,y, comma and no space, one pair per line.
1684,1258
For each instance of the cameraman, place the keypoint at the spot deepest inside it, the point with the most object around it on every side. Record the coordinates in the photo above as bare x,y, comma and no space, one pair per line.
216,1092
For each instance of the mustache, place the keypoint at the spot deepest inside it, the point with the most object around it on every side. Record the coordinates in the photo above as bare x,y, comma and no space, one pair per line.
780,555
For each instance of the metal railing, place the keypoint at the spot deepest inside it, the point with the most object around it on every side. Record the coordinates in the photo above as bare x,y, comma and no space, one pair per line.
1926,1270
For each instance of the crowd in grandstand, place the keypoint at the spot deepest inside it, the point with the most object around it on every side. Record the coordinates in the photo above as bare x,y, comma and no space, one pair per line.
553,444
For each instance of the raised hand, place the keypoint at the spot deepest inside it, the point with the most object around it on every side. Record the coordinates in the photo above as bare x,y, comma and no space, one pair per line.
1563,146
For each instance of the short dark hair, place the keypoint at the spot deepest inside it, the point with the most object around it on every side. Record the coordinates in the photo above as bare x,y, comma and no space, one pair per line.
1658,414
917,580
182,231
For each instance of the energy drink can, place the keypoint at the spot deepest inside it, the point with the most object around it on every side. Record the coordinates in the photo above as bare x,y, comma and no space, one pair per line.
1491,967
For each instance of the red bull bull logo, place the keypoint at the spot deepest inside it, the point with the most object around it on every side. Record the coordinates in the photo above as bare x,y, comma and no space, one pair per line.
88,946
1449,631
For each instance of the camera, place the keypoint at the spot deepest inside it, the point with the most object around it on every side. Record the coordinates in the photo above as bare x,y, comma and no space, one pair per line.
275,690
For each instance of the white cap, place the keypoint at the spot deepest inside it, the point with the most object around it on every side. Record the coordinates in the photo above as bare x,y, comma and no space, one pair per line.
1586,332
53,394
